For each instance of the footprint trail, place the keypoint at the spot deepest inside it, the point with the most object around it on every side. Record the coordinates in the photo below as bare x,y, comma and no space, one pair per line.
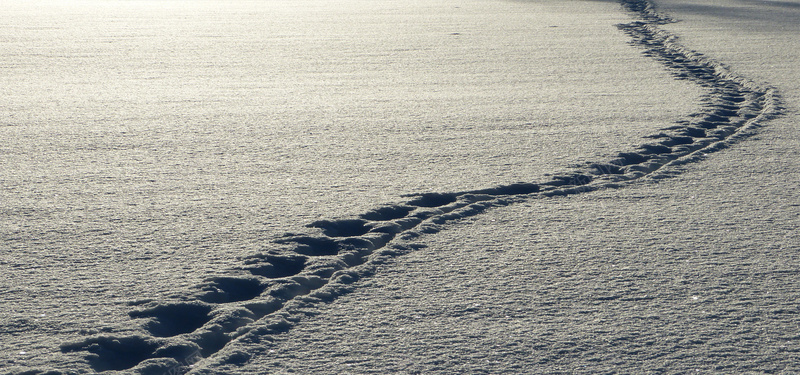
270,291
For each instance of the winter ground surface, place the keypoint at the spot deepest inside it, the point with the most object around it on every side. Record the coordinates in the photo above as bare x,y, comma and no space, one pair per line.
694,273
162,165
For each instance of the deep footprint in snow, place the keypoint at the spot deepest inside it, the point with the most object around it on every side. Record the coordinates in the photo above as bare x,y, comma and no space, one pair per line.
387,213
315,269
433,199
230,289
174,319
275,266
342,228
312,246
114,353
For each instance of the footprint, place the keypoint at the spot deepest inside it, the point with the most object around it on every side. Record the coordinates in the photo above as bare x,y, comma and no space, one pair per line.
387,213
174,319
576,179
288,289
261,309
694,132
312,246
388,228
114,353
407,223
734,98
212,340
604,168
726,112
342,228
677,140
518,188
276,266
630,158
230,289
362,244
433,199
655,149
178,351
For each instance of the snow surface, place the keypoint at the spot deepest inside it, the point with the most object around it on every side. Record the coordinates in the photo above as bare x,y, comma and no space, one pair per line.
546,250
696,273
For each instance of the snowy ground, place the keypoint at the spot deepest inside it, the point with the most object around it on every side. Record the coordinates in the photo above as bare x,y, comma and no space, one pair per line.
696,273
658,266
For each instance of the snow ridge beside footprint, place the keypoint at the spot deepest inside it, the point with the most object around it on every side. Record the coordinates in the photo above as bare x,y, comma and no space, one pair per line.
273,290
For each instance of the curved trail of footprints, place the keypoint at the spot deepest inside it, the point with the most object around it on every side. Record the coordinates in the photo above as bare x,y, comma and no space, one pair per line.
269,292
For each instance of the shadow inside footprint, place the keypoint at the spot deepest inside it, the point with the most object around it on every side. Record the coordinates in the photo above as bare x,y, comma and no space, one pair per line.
604,168
341,228
630,158
518,188
288,289
174,319
655,149
230,289
260,309
114,353
387,213
576,179
694,132
313,246
433,199
677,140
212,341
278,266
